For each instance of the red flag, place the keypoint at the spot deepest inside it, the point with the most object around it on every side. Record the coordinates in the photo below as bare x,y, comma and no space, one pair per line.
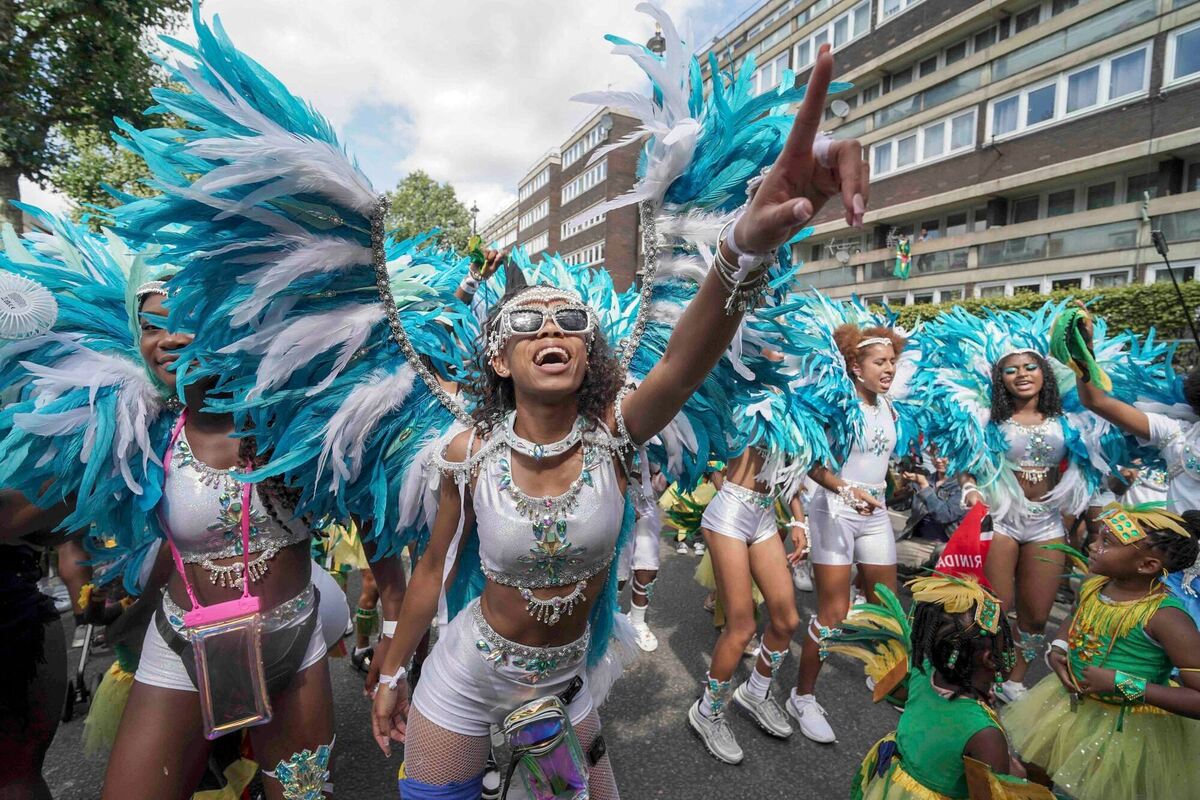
968,546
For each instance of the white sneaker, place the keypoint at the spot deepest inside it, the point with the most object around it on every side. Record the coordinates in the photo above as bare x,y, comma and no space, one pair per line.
1010,691
752,647
645,637
716,734
681,548
808,713
698,548
858,599
765,712
802,577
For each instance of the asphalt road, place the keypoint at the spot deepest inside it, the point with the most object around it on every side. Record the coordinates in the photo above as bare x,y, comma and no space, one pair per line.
654,751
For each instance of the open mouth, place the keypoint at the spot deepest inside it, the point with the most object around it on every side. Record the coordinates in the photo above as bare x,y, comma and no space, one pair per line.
166,361
552,359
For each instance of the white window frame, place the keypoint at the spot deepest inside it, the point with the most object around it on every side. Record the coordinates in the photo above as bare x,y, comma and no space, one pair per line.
1090,281
948,152
587,255
595,135
590,178
776,67
538,243
1172,52
905,5
538,181
535,214
507,238
569,230
827,29
1060,114
1152,271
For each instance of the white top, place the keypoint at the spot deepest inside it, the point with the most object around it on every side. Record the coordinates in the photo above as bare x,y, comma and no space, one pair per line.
1038,447
1179,443
868,459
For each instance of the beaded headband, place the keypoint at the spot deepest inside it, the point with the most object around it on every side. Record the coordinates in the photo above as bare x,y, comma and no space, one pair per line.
958,594
151,287
1130,523
540,293
1016,351
873,340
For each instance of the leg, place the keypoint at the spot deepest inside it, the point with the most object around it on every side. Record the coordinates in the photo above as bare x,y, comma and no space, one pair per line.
1000,568
302,719
74,575
366,616
24,739
872,574
602,784
731,568
1038,574
833,602
160,749
639,601
434,756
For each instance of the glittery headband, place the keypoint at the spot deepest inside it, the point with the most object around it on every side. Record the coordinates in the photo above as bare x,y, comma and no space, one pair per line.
1016,351
539,293
873,340
1129,523
958,594
151,287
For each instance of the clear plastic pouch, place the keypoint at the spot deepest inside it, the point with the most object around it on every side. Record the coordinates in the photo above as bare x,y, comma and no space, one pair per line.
546,752
230,675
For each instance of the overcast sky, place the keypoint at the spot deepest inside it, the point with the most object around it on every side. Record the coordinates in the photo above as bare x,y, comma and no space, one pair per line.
471,91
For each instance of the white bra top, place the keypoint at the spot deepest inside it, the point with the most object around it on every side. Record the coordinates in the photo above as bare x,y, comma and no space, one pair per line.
534,542
869,454
1035,447
202,509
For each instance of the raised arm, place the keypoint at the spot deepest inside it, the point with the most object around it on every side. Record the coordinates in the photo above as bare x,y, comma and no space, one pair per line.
1119,413
795,189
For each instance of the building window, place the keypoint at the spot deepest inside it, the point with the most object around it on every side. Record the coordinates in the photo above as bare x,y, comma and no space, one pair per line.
1102,195
1137,185
1183,56
1027,19
593,137
594,176
890,9
956,52
539,180
870,93
841,30
586,256
901,78
1027,288
769,75
985,38
956,224
1061,284
1060,203
927,67
1104,82
538,243
941,139
571,227
1108,279
1193,178
992,291
1059,6
507,239
1025,209
947,295
1161,275
536,213
980,217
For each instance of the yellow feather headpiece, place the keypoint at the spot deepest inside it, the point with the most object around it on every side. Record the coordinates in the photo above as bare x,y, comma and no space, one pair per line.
958,595
1131,523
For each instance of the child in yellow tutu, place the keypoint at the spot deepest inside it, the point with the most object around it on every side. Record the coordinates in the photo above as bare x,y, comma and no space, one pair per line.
949,743
1107,725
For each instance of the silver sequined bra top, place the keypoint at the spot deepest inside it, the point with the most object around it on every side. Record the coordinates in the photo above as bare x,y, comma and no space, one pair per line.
1035,449
535,542
202,507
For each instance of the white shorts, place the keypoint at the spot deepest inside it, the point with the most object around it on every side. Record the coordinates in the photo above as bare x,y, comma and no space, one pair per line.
474,678
839,536
641,552
740,513
1042,525
335,610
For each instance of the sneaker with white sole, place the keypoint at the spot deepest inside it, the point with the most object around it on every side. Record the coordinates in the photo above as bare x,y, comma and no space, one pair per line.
808,713
858,599
716,734
698,548
802,577
645,637
1011,691
765,712
682,548
752,647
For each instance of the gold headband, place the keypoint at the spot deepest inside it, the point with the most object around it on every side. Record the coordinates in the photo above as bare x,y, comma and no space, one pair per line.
958,595
1131,523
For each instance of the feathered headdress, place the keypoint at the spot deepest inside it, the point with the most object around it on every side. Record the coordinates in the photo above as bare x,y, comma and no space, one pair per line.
1133,523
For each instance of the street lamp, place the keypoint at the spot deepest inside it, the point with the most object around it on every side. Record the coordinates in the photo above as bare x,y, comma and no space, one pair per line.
474,215
657,44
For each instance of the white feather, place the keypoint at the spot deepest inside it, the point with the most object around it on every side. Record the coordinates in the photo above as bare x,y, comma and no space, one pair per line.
345,435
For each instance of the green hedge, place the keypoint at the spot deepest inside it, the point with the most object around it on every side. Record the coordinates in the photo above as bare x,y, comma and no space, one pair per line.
1137,308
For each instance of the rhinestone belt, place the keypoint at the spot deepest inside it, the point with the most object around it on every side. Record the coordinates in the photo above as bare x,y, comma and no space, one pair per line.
536,662
750,496
281,614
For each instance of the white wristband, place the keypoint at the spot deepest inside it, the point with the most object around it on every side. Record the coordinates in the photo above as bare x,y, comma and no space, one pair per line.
1061,644
388,628
797,523
392,681
469,285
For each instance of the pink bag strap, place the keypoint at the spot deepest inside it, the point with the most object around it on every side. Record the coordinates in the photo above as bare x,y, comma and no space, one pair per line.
247,489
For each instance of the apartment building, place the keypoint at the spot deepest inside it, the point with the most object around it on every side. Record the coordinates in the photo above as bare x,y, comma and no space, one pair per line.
553,197
1017,145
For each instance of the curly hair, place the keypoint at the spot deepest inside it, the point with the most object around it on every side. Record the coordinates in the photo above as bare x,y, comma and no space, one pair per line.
1191,389
274,491
495,397
848,337
1049,401
1177,552
953,649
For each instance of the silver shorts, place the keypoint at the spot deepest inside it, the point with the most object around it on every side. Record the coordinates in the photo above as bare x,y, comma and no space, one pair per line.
474,677
839,536
1042,525
741,513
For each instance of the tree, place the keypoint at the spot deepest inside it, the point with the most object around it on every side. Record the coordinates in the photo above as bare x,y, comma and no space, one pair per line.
92,161
419,203
71,66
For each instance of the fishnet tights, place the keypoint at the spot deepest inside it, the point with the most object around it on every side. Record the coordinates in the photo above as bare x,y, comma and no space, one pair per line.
437,756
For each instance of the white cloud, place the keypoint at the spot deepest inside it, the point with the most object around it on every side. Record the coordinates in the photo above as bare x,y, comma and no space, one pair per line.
45,199
471,91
